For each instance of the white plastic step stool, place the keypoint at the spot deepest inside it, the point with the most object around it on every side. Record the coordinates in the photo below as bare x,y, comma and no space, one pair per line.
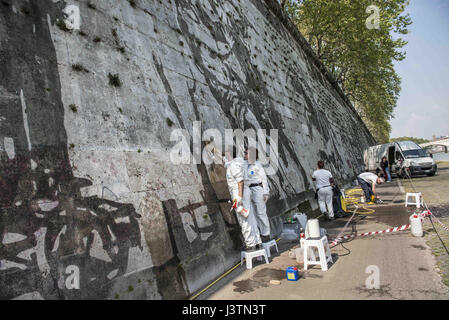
267,246
250,255
418,199
324,253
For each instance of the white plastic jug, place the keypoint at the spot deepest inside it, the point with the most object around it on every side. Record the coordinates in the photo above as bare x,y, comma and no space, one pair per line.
313,228
299,253
416,225
302,219
241,210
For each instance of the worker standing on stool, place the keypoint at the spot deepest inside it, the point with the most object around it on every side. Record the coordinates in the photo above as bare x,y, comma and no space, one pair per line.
255,195
235,172
368,181
324,182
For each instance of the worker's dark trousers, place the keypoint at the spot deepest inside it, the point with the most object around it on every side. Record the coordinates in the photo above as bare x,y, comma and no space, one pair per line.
367,189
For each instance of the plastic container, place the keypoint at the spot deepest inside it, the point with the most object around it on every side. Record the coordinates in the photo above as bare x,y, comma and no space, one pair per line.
299,255
323,232
313,228
302,237
290,231
416,225
292,254
292,274
302,219
242,211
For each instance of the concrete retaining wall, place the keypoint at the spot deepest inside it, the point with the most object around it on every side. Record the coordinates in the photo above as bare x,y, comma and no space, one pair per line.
91,205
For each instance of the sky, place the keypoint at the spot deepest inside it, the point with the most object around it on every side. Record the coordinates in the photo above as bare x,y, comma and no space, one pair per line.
423,107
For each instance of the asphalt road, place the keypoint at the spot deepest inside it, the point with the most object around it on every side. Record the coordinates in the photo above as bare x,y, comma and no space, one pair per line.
406,267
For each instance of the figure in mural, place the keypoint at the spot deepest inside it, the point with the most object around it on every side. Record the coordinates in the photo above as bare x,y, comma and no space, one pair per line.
237,85
45,223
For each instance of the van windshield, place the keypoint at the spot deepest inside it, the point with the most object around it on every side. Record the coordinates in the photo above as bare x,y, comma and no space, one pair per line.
417,153
411,149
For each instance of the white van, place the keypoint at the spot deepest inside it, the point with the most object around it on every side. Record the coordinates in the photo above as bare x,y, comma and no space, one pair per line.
404,158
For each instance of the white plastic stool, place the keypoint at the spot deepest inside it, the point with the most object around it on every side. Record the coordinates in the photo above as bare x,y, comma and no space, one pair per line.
324,252
418,199
267,246
250,255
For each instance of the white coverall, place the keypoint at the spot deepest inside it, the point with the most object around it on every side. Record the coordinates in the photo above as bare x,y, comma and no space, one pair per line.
234,175
325,192
253,197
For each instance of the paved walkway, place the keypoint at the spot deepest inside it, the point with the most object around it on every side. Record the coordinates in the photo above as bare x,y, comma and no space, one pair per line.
407,268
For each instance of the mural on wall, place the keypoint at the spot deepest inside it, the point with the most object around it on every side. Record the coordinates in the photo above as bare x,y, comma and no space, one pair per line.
172,227
235,83
228,57
48,231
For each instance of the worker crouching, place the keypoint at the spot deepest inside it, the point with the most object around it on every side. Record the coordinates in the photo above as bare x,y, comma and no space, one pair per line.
368,181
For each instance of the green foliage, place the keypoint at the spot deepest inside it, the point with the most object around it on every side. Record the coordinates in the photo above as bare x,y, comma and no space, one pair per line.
415,140
62,25
132,3
73,108
169,122
359,58
114,80
79,67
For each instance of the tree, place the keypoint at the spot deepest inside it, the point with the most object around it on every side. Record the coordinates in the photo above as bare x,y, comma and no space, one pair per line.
415,140
360,58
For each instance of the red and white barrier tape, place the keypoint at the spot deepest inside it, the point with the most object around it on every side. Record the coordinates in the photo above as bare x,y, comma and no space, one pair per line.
395,229
441,224
425,213
428,213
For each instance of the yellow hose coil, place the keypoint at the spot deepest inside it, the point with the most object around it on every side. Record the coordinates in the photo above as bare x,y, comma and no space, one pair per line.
352,196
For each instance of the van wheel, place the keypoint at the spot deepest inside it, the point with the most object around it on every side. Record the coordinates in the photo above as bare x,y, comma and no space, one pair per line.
431,174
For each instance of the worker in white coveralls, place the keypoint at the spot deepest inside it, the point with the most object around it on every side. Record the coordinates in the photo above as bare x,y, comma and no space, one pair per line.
255,195
235,172
324,181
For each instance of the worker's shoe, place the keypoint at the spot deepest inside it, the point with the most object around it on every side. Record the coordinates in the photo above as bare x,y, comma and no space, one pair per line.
265,238
330,218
